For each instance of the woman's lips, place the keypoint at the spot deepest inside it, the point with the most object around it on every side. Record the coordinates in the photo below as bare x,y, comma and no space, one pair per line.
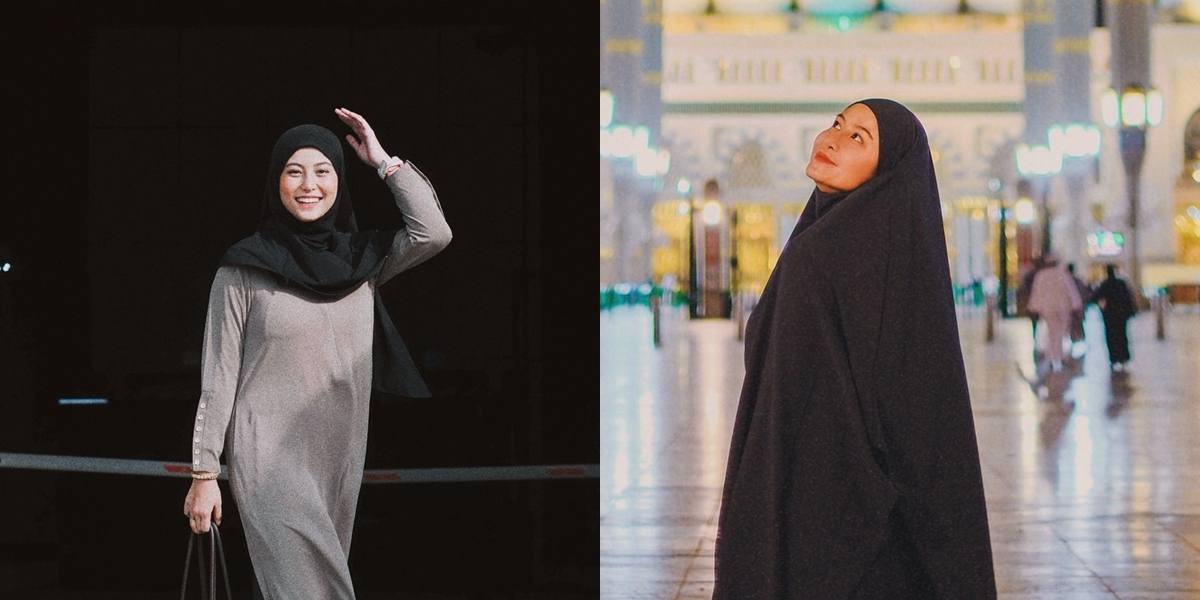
821,157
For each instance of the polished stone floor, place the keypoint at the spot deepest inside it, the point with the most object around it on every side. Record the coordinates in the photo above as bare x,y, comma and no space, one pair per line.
1092,477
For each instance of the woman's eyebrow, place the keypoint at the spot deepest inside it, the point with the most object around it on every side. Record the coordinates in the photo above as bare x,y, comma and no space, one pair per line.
322,163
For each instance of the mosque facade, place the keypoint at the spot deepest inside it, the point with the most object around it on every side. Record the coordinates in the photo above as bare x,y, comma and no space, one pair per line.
745,88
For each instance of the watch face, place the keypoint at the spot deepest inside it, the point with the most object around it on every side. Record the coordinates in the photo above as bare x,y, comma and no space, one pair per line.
384,165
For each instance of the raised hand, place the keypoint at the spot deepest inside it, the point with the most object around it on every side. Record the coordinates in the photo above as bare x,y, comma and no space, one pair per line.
364,142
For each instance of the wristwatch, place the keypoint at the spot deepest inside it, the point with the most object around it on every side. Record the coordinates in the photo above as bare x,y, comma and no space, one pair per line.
384,165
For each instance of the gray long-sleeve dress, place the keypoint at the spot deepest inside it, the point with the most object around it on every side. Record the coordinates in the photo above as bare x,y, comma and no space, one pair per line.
286,384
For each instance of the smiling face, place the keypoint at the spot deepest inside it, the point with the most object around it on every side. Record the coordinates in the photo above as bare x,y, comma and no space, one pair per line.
308,185
845,155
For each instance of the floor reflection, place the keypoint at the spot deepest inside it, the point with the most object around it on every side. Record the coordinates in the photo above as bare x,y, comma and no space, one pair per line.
1120,389
1092,476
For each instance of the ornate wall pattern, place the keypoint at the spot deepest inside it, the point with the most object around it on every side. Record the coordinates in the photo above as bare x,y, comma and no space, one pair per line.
744,109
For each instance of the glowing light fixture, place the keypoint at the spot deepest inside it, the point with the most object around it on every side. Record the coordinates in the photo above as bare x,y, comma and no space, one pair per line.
623,145
650,163
1025,211
627,141
1154,108
1133,108
1109,108
1038,160
1075,140
683,187
1082,140
1105,244
712,213
1024,159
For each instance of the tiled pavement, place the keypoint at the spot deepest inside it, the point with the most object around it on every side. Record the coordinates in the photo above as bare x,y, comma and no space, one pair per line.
1092,478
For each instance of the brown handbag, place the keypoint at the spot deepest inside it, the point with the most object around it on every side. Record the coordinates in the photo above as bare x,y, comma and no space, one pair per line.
208,576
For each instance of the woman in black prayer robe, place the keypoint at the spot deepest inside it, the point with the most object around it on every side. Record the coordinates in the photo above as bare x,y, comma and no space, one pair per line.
1117,306
853,470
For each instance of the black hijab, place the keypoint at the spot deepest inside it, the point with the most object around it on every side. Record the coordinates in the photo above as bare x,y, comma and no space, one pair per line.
328,257
854,438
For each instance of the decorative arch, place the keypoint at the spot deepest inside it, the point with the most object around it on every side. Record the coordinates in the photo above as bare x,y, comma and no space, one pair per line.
1187,195
1191,149
748,168
751,159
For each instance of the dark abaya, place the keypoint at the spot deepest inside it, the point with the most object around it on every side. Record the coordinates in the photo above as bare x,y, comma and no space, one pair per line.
853,470
1118,308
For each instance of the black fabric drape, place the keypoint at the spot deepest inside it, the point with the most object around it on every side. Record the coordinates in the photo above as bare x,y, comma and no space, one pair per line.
1118,299
329,257
855,421
1119,307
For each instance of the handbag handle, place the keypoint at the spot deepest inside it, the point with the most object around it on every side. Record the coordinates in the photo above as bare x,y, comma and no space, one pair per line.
208,589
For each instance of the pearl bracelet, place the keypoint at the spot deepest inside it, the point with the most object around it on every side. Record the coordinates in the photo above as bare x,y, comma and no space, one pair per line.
205,476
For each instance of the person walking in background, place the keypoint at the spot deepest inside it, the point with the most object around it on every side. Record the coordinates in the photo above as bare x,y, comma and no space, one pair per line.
853,467
1055,299
1085,291
1117,305
1026,285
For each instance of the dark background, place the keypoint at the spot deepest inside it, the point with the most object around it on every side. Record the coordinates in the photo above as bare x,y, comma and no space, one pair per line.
137,138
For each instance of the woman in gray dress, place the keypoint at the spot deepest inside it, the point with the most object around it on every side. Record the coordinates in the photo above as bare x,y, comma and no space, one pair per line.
295,339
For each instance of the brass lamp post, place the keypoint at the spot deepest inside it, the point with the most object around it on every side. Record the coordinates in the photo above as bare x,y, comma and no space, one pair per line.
1133,111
